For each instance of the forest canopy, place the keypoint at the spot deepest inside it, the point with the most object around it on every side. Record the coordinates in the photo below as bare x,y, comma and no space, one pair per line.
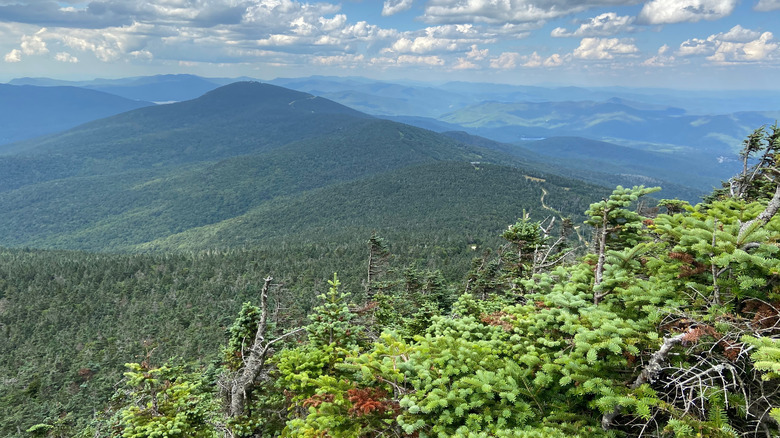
665,325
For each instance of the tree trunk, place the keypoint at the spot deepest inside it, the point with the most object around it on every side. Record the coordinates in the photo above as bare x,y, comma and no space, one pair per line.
599,274
245,381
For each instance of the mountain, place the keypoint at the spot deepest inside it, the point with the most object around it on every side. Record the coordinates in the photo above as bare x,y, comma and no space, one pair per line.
603,163
139,177
236,119
159,88
675,168
28,111
680,125
389,98
653,127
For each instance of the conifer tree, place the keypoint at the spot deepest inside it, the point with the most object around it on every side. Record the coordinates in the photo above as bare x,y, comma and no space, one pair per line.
616,227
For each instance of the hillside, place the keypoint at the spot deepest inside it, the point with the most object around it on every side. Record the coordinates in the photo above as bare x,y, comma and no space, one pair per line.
237,119
607,164
455,307
445,196
674,168
30,111
139,177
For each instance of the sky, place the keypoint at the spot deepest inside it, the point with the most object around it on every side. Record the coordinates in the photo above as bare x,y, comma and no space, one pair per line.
685,44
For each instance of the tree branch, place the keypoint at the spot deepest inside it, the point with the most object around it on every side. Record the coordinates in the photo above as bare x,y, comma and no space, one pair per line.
243,384
649,372
766,215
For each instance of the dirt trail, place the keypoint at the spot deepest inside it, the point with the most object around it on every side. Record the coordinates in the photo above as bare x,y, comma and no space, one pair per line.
547,207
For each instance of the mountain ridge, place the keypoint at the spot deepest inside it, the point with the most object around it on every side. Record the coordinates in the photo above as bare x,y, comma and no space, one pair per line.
137,177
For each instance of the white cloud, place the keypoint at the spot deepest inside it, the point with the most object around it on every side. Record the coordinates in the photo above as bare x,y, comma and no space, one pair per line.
677,11
14,55
477,54
420,60
425,44
738,34
34,44
392,7
277,40
332,24
106,45
510,60
738,45
348,60
273,13
554,60
753,51
66,57
141,54
516,30
605,24
662,59
446,38
767,5
508,11
430,61
533,60
696,46
464,64
506,61
604,48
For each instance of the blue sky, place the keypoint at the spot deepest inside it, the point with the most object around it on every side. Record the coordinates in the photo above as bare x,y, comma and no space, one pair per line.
702,44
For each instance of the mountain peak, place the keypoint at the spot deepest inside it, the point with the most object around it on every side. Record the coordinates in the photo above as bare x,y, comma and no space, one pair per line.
262,96
252,91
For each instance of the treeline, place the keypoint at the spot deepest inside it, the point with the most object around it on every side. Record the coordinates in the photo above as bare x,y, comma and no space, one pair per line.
69,321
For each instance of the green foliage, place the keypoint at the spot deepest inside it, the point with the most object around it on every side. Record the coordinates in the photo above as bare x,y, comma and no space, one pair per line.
622,225
163,402
331,323
646,334
242,334
766,355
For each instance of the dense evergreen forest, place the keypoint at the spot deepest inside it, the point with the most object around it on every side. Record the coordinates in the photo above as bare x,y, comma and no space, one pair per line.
654,318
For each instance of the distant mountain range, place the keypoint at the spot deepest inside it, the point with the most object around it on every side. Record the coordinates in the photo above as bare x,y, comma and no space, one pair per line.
160,88
32,111
664,129
454,95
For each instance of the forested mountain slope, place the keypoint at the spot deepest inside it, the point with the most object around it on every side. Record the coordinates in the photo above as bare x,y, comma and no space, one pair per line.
666,326
128,180
609,164
298,183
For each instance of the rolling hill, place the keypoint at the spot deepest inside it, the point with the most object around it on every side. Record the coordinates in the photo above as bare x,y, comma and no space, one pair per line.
133,180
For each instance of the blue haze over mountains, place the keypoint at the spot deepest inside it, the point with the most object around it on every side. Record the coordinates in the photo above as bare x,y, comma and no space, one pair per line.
605,136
